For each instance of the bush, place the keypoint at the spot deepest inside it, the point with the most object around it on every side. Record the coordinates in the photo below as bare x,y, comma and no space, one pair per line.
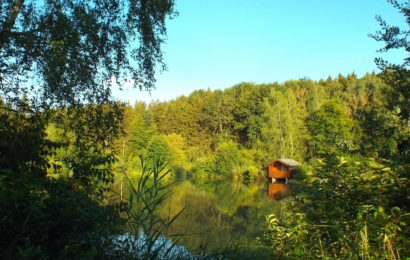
48,219
344,210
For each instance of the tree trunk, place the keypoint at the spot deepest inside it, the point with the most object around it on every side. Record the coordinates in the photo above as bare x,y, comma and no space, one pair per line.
291,145
282,141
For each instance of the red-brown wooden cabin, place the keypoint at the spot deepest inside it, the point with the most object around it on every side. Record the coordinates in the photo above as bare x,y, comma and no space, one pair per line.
282,168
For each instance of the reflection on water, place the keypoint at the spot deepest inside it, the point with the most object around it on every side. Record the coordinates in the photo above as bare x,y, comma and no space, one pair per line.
219,213
278,190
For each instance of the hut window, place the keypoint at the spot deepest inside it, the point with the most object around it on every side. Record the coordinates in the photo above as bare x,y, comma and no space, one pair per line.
283,168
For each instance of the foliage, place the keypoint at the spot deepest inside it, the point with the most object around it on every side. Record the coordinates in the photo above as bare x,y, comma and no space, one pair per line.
71,48
58,120
177,150
396,76
175,153
203,169
63,142
283,131
250,161
51,219
343,211
82,149
227,158
353,207
147,231
330,131
138,130
22,143
248,114
345,116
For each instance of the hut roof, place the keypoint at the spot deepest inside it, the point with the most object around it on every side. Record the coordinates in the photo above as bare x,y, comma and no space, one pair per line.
289,162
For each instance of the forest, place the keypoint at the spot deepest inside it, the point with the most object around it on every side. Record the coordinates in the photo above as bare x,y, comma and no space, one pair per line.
343,131
83,175
212,134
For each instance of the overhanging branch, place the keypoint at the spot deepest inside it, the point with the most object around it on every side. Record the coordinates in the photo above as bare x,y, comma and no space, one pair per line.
14,10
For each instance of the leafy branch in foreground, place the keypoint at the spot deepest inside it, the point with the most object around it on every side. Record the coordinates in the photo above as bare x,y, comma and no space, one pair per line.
64,51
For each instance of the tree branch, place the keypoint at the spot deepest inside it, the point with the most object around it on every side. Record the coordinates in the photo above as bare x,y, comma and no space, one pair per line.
5,34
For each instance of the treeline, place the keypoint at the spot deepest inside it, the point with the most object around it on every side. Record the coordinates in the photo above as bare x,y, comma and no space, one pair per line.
352,135
240,129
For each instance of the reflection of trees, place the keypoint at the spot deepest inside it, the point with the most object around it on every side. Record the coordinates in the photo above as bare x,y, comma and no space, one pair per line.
216,214
229,196
199,222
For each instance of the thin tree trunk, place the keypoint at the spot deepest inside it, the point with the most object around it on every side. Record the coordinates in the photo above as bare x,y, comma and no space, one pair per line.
219,220
123,165
291,145
290,125
281,147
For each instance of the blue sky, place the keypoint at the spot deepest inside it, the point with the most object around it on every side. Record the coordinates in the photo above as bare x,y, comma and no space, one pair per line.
218,43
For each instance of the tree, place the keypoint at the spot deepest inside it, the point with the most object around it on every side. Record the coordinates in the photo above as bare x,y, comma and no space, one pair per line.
60,54
283,131
176,147
227,157
218,114
397,76
69,49
247,112
158,151
140,131
397,107
330,130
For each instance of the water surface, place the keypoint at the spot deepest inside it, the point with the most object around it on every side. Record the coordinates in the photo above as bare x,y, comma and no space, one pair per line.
219,214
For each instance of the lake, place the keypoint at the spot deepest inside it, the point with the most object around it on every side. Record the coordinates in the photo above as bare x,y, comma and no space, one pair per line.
218,215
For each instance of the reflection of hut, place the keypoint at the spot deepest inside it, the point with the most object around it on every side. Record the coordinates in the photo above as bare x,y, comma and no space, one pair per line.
278,190
282,169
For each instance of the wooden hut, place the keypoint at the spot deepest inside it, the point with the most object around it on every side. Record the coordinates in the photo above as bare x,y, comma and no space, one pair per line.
282,169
